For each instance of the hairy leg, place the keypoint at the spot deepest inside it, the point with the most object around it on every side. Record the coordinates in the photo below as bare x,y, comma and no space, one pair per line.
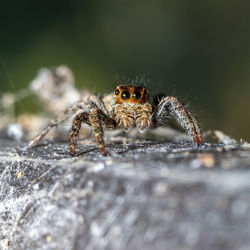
171,105
95,118
97,130
85,105
54,123
76,126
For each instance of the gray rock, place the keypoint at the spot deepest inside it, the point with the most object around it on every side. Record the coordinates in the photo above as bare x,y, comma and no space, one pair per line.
146,195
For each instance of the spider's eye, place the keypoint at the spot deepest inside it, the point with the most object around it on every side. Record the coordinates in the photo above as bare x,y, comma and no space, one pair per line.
125,95
145,92
117,92
137,95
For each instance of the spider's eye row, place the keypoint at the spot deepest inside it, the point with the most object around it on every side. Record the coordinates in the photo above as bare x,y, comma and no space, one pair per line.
136,95
145,92
125,95
117,91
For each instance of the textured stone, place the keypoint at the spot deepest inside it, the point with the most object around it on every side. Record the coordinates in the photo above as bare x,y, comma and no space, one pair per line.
146,195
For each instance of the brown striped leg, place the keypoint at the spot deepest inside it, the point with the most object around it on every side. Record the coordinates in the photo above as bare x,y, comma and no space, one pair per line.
105,120
173,106
76,126
97,130
64,116
95,118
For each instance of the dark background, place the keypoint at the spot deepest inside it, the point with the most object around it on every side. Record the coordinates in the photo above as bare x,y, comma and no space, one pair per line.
197,50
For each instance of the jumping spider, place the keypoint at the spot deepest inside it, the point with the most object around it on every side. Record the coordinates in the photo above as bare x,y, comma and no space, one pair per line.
128,106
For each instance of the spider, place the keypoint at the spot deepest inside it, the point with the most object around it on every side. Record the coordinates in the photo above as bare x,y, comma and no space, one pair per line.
128,106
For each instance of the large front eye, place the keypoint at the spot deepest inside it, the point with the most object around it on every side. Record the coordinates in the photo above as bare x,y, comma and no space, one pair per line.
137,95
125,95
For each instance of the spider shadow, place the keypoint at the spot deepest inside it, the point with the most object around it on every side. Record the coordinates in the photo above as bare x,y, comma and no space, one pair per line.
114,148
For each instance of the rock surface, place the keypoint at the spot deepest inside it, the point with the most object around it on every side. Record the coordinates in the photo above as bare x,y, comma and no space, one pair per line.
146,195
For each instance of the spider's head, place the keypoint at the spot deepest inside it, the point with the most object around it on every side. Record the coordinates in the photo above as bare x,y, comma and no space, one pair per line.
132,108
131,94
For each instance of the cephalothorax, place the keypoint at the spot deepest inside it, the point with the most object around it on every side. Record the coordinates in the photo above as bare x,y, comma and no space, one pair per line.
128,106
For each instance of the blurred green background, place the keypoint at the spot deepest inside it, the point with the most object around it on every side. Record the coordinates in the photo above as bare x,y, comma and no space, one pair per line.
197,50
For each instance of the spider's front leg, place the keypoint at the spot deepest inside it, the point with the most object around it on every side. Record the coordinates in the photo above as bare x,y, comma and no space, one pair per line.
172,106
95,118
76,126
97,130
